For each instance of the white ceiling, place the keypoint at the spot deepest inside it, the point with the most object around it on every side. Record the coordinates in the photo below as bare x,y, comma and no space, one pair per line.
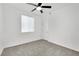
27,8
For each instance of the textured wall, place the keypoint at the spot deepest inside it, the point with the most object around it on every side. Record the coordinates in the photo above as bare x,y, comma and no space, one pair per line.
63,26
13,35
1,28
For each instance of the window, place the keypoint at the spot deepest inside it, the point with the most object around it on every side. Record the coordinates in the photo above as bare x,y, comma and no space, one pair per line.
27,24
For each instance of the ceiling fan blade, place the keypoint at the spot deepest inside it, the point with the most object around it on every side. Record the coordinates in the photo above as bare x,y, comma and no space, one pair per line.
41,11
31,4
39,4
46,6
34,9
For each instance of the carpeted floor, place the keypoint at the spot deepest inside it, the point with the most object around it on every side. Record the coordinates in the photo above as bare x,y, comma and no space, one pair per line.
39,48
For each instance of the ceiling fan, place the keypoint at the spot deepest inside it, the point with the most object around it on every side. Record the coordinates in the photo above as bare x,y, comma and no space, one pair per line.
39,7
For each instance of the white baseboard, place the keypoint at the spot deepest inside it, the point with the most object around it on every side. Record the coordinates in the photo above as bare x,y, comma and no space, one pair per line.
15,43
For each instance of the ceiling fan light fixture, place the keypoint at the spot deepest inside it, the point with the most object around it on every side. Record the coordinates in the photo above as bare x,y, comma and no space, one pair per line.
39,8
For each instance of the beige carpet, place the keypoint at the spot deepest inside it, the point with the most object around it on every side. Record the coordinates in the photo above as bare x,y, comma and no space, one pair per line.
39,48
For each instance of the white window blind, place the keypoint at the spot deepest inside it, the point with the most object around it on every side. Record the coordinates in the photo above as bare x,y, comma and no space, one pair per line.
27,24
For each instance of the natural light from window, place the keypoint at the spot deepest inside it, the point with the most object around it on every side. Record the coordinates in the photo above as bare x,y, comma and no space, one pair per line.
27,24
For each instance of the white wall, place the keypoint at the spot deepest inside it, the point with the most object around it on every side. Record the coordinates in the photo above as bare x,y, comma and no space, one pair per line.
63,26
1,29
12,27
